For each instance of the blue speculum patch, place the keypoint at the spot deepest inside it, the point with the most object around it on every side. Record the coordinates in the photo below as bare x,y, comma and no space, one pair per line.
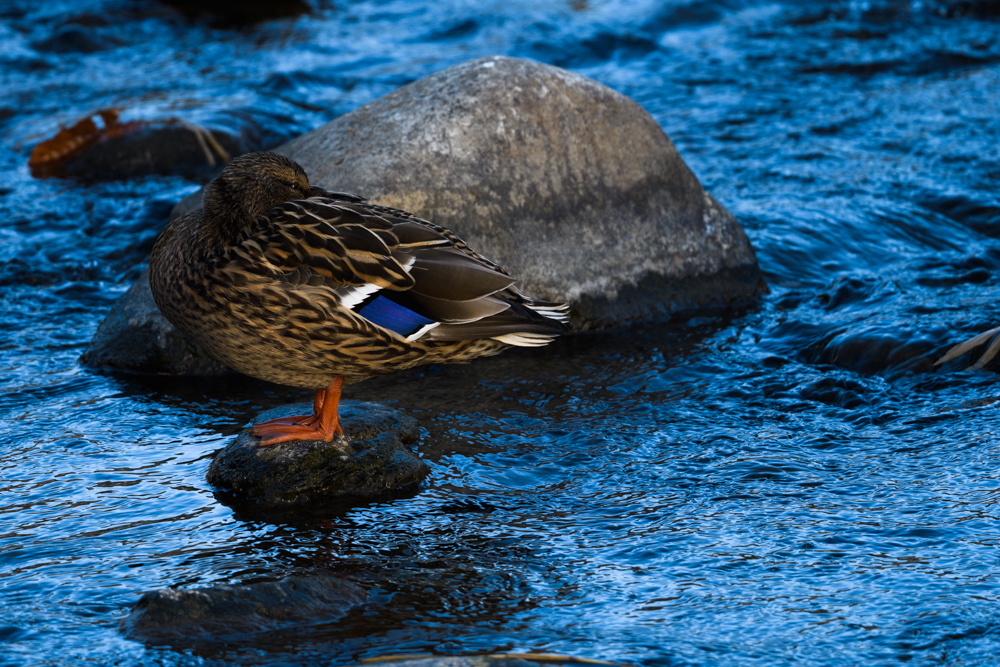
794,484
388,315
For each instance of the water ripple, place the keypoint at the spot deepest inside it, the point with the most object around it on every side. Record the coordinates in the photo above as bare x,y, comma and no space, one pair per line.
793,484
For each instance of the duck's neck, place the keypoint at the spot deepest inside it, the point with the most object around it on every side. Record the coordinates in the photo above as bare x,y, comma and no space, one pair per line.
225,215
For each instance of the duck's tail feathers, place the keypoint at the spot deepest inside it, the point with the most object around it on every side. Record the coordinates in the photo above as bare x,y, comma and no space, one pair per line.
554,311
524,339
518,325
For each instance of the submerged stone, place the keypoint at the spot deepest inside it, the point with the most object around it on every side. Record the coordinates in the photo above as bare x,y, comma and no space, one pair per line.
75,39
372,458
490,660
222,611
102,146
226,14
157,148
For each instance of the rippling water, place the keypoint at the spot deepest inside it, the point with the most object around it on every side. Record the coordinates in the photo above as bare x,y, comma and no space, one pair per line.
792,484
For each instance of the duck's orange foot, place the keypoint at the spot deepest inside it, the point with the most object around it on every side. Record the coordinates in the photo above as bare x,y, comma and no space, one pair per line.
323,424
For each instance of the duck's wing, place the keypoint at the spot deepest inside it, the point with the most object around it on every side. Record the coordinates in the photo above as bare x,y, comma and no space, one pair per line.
548,309
317,242
396,273
398,216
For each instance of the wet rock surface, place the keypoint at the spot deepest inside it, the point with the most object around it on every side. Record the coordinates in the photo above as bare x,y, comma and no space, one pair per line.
222,611
158,148
373,458
224,14
136,337
569,185
492,660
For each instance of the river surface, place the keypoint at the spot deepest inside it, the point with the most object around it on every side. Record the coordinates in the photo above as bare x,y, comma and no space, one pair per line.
792,484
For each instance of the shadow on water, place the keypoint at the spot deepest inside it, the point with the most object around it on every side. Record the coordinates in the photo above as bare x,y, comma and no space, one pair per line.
312,514
226,402
434,574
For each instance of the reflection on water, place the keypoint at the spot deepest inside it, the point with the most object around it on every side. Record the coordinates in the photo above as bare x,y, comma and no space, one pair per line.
792,484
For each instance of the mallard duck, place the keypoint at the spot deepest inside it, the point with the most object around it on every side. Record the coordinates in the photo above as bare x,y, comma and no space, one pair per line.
296,285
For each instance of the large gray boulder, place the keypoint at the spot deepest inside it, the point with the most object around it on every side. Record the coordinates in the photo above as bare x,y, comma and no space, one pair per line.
568,184
373,458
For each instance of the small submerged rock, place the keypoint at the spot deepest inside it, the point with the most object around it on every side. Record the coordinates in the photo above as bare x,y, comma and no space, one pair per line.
72,38
490,660
225,610
371,459
166,148
228,14
101,146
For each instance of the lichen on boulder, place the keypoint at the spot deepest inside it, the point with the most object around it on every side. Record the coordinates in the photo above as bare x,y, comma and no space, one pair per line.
372,458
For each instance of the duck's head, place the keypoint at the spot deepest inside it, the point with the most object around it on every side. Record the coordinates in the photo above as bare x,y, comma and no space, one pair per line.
250,185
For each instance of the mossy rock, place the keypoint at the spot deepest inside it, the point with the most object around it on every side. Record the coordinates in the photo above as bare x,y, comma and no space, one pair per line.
226,611
372,459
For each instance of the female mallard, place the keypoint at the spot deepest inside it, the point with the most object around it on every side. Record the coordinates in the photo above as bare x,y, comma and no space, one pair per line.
309,288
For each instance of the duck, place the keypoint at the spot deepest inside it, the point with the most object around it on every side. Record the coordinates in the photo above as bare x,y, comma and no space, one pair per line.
294,284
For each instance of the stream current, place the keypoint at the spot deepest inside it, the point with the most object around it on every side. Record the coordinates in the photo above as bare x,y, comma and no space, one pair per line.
791,484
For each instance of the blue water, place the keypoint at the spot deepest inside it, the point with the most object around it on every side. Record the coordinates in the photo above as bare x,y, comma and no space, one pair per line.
793,484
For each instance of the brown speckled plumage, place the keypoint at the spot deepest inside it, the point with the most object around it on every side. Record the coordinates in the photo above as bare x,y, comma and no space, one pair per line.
270,275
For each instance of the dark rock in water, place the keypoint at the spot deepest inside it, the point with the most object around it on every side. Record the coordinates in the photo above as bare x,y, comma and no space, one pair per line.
157,148
225,13
569,185
492,660
102,146
222,611
373,458
986,9
74,39
870,350
136,337
876,347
